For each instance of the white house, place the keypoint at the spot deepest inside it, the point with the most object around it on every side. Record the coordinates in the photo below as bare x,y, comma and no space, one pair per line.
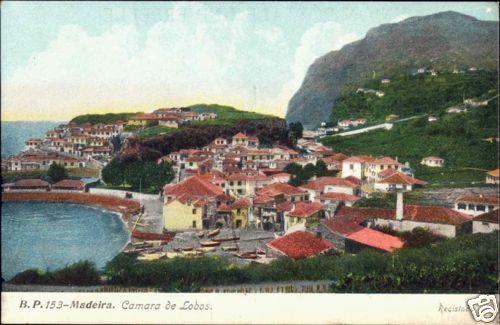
486,222
432,161
476,204
492,177
397,181
356,166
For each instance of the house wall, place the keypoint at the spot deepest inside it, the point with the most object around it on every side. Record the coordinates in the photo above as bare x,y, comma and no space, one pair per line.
484,227
340,189
472,208
356,170
407,225
178,216
492,179
384,187
242,215
336,239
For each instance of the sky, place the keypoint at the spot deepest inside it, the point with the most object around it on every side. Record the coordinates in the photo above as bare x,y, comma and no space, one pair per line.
62,59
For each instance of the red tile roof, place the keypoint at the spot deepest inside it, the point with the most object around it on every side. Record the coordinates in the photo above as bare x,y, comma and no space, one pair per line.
240,135
262,199
342,227
241,203
30,183
280,175
300,244
224,208
194,186
353,179
479,199
360,159
284,206
279,188
245,177
385,161
339,197
305,209
69,184
144,117
494,173
320,183
492,216
376,239
400,178
432,158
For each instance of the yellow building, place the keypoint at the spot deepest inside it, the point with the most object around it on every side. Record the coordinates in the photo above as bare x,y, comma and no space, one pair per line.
143,120
304,213
185,215
239,212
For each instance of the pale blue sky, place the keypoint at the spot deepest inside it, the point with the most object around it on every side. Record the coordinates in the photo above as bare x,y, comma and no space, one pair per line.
64,58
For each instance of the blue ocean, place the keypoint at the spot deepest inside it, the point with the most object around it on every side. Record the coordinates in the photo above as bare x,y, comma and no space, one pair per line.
51,235
14,134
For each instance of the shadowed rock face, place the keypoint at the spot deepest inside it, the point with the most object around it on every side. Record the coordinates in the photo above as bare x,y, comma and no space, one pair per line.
445,40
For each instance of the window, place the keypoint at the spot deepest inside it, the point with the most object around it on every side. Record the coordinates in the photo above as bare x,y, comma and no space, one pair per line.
480,208
351,166
231,183
238,211
462,206
491,207
239,183
194,224
240,191
471,206
194,211
486,224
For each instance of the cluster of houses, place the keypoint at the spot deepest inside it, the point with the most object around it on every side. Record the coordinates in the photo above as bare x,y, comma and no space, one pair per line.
377,93
171,117
346,124
70,145
235,183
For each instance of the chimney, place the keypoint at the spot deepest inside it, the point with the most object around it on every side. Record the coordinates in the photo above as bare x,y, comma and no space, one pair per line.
399,206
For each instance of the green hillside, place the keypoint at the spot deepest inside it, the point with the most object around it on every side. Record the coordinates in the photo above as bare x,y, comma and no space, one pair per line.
226,114
458,138
407,95
102,118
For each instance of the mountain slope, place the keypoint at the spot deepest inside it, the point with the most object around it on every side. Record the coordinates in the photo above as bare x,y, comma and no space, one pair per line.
445,40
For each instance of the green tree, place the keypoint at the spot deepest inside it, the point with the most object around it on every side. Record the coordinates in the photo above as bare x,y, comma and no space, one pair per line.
309,171
159,174
321,169
292,168
57,172
113,172
296,130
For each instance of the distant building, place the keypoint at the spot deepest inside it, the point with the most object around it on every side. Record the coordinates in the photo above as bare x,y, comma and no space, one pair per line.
143,120
385,81
432,118
486,222
473,102
432,161
392,117
454,109
492,177
476,204
421,70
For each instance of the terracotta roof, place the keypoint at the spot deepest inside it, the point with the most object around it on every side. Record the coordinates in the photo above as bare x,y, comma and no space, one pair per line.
494,173
195,159
377,239
69,183
479,199
305,209
284,206
34,182
361,214
385,160
224,208
280,188
262,199
300,244
492,216
320,183
353,179
144,117
241,203
342,227
339,197
387,172
432,158
170,117
400,178
194,185
359,159
240,135
280,175
244,177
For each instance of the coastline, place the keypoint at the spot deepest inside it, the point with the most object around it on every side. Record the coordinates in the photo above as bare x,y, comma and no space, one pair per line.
124,207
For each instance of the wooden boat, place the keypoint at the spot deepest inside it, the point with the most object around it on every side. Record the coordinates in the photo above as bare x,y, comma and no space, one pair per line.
259,251
229,248
209,243
134,250
151,256
222,239
201,234
176,249
152,236
206,249
139,243
187,249
173,254
247,255
214,232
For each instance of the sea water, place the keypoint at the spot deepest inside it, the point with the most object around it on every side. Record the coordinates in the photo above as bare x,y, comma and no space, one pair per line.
52,235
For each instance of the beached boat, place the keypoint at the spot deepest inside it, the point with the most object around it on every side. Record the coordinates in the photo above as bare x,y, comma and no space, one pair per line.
134,250
247,255
206,249
151,256
173,254
201,234
151,236
214,232
209,243
187,249
259,251
229,248
222,239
